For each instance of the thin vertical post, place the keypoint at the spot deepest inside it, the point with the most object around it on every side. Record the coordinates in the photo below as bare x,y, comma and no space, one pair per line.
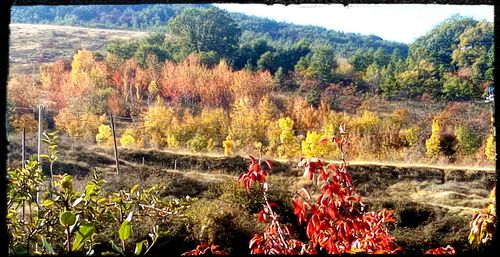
38,193
23,164
39,135
23,149
114,143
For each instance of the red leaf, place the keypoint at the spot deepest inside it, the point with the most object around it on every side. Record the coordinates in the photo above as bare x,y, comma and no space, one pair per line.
254,167
261,217
255,240
448,250
324,174
273,204
324,141
263,176
380,251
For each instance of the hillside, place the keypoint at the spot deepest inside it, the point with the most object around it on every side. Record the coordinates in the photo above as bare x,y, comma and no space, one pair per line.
155,18
34,44
433,202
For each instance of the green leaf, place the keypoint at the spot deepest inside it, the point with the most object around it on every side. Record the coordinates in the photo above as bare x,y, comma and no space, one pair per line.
89,189
47,202
83,234
125,230
67,218
138,247
134,188
115,247
48,246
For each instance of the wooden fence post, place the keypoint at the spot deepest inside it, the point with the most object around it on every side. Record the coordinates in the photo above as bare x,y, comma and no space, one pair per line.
23,149
39,152
114,143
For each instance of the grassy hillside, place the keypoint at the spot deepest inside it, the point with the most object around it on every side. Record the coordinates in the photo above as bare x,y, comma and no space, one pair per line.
433,205
154,17
35,44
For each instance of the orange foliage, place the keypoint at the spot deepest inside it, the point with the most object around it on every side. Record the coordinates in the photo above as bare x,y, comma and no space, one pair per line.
23,91
306,117
191,82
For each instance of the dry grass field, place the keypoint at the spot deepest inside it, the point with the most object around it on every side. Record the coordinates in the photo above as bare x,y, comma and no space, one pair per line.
35,44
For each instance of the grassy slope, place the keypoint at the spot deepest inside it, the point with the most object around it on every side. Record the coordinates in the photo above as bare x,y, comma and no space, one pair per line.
34,44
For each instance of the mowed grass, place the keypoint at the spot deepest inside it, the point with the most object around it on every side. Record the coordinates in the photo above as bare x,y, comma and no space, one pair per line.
32,45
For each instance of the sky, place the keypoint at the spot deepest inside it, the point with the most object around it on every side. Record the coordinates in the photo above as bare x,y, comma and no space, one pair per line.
397,22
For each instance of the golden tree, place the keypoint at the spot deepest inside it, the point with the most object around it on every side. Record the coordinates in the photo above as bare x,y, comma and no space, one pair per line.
157,119
432,145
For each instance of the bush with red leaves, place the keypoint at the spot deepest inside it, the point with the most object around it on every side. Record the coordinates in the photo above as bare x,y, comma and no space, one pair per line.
277,238
448,250
205,249
336,222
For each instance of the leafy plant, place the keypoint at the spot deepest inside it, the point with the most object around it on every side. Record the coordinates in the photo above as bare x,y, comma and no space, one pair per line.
490,150
483,223
432,145
468,141
68,220
104,136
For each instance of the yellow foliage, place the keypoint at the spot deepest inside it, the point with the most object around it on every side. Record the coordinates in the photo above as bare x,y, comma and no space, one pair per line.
368,122
409,135
483,223
212,123
210,144
157,120
228,145
432,145
249,124
105,135
334,119
330,149
183,128
310,145
131,138
127,141
490,150
273,138
288,145
81,69
172,142
85,125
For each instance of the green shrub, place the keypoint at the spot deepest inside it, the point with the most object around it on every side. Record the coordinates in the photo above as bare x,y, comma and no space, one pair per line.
198,143
468,143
